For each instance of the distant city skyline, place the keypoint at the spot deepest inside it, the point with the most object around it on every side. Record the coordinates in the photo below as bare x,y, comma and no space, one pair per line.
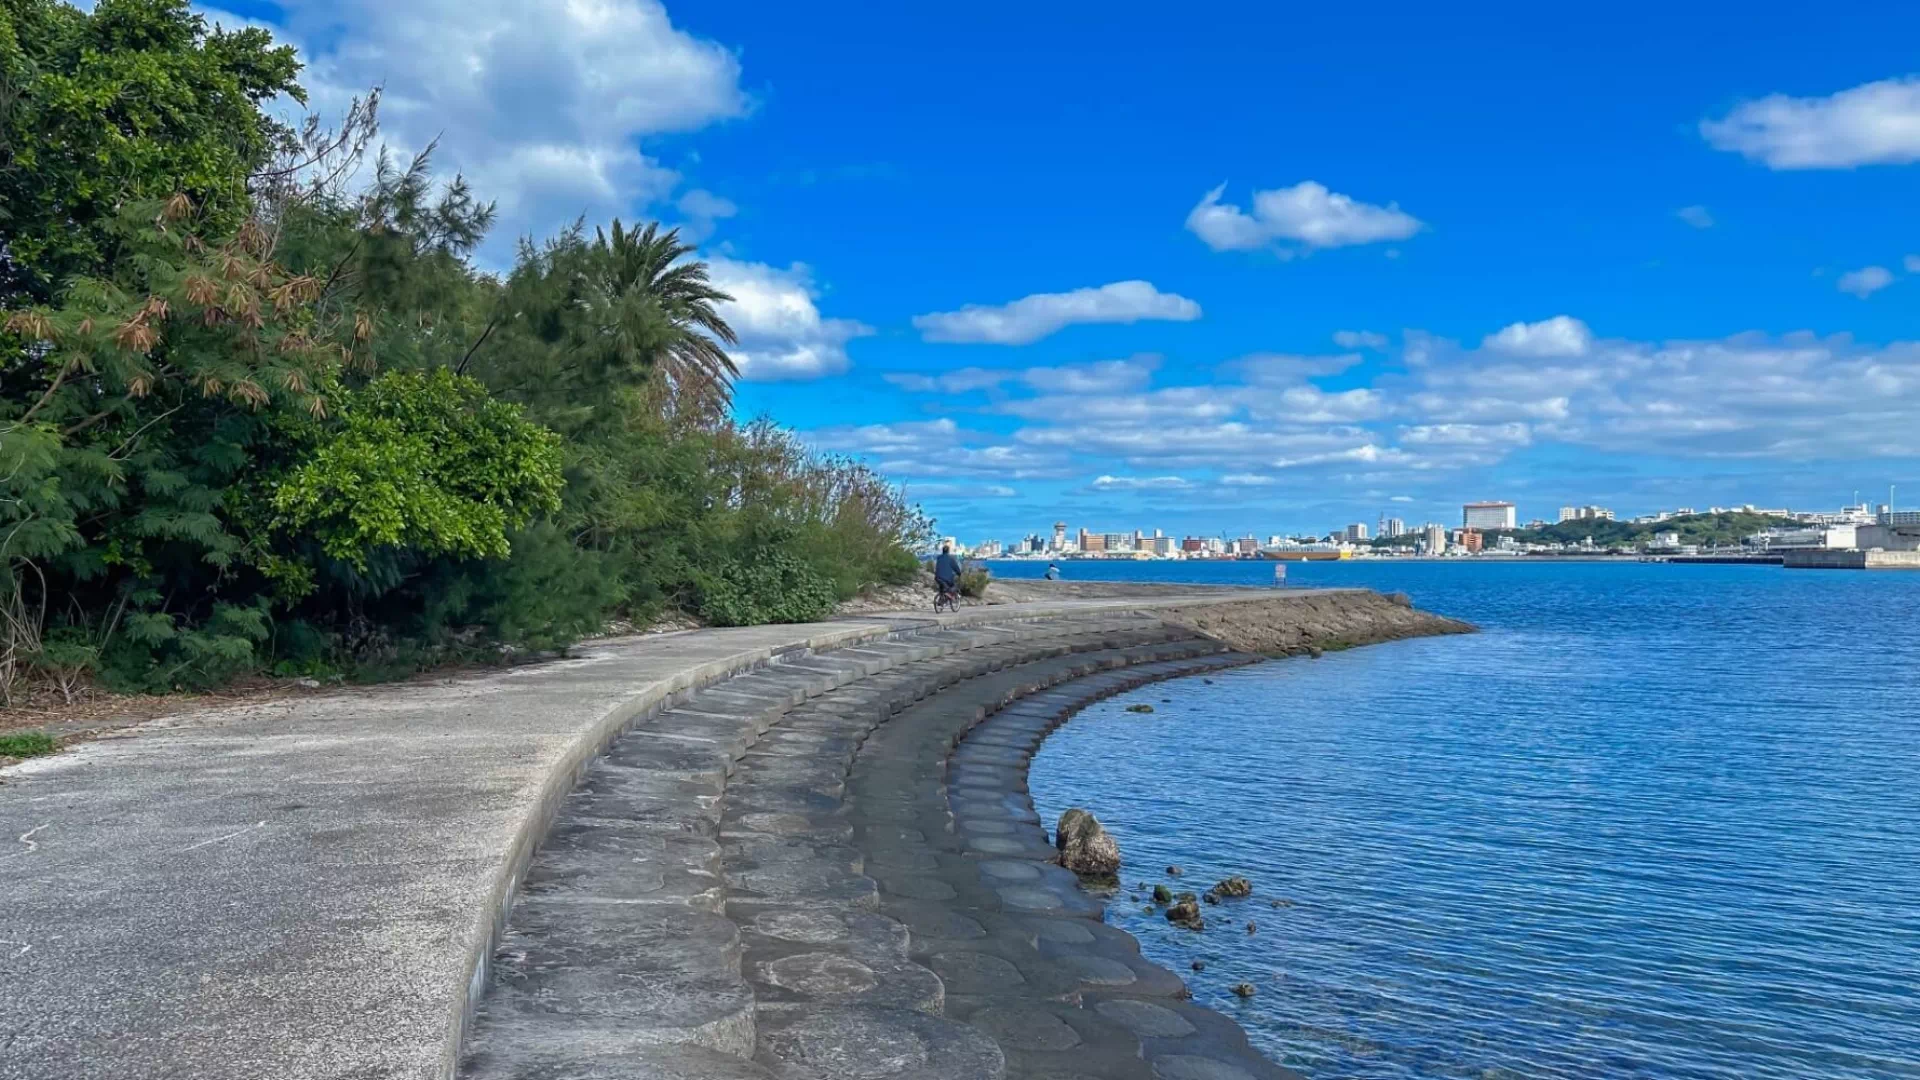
1402,522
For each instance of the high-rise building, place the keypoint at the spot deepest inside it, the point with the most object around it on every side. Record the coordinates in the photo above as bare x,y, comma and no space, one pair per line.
1436,540
1059,536
1092,542
1354,533
1395,527
1194,543
1472,541
1488,515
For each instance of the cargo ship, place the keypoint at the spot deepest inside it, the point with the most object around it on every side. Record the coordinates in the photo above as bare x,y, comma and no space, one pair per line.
1306,553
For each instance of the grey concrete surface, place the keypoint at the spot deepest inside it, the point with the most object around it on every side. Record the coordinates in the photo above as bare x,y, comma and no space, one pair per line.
311,888
895,910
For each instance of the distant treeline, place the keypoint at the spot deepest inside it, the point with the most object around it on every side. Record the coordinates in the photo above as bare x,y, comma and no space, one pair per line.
1725,529
259,410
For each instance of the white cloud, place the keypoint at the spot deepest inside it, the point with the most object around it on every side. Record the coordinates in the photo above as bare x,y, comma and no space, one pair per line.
1359,339
1101,377
1401,499
1874,124
1281,369
782,334
1911,263
703,210
1031,318
1696,216
1865,281
1306,213
1512,434
1141,483
1247,480
541,103
1559,336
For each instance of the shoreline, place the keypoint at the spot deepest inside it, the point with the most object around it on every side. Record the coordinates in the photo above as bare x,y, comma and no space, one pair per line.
330,875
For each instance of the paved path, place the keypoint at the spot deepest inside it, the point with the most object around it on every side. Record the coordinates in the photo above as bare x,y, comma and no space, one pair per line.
312,888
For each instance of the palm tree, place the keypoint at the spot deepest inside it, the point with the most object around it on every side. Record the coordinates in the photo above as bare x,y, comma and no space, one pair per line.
665,309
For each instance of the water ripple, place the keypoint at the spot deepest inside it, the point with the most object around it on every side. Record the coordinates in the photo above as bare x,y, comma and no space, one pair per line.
1654,821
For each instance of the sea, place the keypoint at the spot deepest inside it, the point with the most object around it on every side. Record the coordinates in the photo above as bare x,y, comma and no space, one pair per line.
1654,820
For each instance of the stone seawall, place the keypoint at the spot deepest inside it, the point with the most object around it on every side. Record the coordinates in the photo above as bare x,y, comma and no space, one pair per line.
1284,624
307,890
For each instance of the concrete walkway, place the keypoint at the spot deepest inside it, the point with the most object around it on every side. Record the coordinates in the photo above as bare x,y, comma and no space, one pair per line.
311,888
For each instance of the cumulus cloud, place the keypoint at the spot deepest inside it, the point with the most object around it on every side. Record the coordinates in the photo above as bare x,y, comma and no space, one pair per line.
1561,335
1696,216
1874,124
541,103
1359,339
1865,281
1247,480
1911,263
782,333
1401,499
1034,317
1307,214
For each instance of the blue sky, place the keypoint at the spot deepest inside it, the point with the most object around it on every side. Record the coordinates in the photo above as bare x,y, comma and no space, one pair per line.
1242,268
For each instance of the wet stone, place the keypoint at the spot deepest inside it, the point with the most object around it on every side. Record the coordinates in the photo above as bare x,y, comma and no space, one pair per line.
1145,1019
1024,1028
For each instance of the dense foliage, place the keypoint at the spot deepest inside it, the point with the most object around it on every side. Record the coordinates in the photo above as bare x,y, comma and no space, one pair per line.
258,409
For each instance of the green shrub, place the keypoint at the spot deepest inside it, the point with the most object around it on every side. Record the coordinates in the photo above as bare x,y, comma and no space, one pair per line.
27,744
774,588
973,583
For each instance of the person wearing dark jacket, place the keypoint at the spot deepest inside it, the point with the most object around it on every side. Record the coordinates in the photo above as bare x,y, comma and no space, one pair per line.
946,569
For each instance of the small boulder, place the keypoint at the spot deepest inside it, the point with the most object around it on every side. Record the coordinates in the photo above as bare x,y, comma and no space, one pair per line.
1252,927
1174,871
1162,894
1212,897
1085,847
1142,708
1245,990
1316,651
1186,914
1199,965
1233,888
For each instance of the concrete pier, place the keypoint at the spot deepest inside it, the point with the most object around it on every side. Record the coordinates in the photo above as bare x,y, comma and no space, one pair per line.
721,853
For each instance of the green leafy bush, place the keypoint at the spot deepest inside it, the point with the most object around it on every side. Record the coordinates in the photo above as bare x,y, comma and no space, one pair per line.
422,460
973,583
773,588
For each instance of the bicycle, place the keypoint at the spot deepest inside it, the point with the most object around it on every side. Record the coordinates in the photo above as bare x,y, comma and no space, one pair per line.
946,598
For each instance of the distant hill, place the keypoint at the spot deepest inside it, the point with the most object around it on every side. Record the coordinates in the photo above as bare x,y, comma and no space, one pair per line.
1707,530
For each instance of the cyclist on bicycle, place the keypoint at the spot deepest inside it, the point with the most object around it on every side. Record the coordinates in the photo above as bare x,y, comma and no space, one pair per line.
946,571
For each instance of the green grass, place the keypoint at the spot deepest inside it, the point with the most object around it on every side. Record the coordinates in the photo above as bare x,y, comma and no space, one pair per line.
27,744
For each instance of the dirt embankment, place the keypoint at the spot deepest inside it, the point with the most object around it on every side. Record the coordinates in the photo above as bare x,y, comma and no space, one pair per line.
1289,625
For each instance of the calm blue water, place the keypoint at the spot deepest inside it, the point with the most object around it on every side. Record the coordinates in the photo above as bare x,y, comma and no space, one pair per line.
1655,821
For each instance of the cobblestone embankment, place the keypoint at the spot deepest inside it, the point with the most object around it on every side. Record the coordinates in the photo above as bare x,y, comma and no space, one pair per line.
729,853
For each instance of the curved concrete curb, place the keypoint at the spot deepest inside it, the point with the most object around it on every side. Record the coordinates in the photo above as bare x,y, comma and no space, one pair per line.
311,888
853,903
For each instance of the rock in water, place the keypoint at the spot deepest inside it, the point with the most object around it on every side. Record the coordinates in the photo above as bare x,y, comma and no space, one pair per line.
1245,990
1233,888
1085,847
1162,894
1139,708
1186,913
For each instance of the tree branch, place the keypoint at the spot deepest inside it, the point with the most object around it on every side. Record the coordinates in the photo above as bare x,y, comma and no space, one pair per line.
484,335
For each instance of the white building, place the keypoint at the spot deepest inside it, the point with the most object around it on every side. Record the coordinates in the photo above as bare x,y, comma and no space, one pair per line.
1396,527
1585,513
1354,533
1436,541
1488,515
